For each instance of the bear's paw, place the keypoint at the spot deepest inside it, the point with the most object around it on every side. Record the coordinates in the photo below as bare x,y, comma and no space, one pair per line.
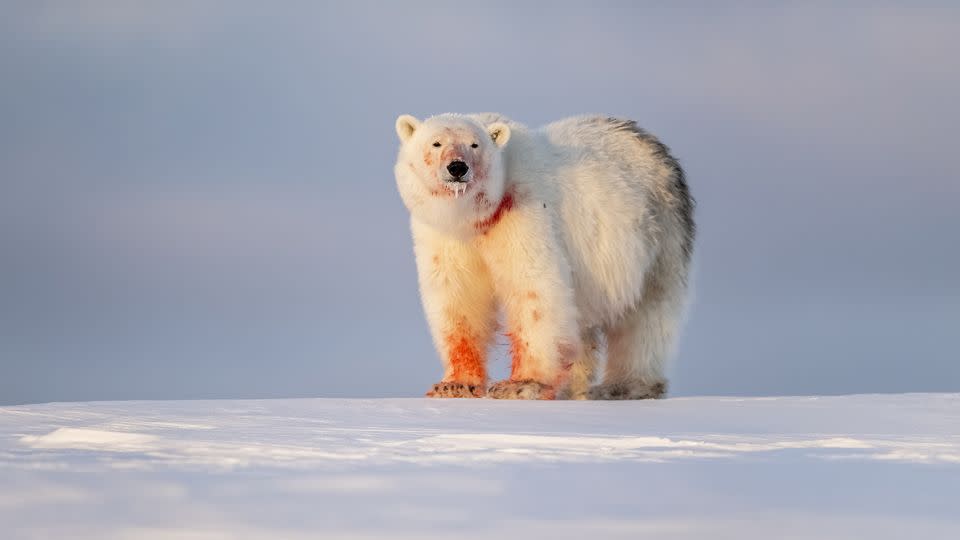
454,389
525,389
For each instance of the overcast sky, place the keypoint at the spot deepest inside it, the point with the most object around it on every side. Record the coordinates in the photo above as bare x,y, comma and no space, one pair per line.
197,198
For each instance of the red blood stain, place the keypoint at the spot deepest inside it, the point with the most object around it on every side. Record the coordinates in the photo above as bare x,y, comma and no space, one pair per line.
465,357
532,295
536,315
506,204
518,352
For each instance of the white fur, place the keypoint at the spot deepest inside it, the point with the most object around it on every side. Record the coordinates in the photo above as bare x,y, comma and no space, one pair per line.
591,248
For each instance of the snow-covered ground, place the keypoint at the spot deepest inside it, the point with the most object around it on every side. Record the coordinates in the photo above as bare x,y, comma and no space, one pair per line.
871,466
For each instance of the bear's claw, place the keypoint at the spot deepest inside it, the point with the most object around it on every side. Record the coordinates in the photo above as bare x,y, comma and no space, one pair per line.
453,389
526,389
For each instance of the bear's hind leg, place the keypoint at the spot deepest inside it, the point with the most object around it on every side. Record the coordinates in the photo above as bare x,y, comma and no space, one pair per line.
583,371
639,346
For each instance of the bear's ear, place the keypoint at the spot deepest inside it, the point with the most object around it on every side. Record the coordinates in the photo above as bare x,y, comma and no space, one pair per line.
499,132
406,125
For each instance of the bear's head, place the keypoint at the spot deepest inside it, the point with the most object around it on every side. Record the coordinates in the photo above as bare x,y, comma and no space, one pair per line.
450,170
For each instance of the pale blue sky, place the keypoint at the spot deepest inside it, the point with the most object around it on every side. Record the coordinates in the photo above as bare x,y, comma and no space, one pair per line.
197,199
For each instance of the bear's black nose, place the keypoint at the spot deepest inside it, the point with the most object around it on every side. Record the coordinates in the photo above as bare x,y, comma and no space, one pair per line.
457,169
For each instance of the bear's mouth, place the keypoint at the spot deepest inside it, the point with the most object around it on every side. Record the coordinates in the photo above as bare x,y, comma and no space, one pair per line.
456,186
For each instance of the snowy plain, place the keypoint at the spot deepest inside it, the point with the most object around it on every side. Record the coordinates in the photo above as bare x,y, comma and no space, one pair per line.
865,466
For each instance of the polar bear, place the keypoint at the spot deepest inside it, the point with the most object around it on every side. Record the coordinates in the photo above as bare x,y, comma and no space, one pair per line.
579,233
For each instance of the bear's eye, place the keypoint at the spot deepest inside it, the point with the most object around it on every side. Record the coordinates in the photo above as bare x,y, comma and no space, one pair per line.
474,145
436,145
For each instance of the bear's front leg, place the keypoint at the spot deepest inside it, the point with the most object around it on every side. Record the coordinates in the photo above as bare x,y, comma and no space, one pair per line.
458,300
543,347
463,351
533,279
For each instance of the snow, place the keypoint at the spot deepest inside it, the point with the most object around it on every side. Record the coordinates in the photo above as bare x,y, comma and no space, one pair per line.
869,466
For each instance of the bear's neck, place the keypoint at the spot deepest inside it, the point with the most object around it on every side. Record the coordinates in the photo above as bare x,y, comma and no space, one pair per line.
506,204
